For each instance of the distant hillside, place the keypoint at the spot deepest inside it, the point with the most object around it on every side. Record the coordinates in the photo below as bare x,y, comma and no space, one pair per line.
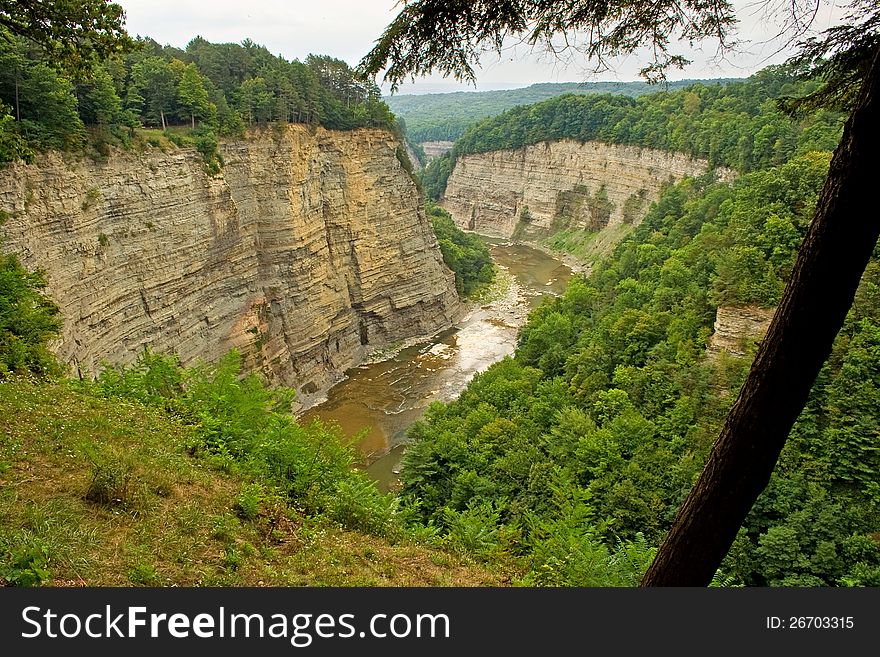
438,117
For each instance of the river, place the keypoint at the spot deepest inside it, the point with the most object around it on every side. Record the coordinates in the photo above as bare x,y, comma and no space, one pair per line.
377,402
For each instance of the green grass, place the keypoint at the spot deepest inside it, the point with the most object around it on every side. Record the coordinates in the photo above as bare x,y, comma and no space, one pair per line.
167,518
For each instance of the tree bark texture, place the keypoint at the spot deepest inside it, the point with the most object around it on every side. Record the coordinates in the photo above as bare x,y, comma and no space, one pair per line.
826,274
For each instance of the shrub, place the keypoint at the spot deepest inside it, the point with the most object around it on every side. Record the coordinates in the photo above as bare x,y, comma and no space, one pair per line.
114,480
25,562
357,504
28,320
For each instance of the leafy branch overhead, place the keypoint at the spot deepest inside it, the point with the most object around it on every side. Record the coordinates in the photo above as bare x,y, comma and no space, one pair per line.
74,35
449,36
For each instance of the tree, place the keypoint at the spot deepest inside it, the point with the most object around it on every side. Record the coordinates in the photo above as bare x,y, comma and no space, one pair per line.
28,320
154,87
447,36
193,95
74,35
255,100
98,102
45,108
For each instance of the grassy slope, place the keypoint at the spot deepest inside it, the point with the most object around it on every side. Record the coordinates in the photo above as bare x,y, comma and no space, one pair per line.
177,524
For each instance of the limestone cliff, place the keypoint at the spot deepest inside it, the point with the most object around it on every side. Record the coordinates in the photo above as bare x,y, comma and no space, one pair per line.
550,186
735,326
307,250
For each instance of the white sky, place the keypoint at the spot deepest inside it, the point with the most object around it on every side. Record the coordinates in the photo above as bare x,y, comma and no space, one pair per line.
346,29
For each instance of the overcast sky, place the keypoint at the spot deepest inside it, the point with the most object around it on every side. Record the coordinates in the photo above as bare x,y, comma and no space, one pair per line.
347,29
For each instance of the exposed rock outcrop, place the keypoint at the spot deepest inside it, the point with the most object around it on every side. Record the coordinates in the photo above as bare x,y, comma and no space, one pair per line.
308,250
735,326
550,186
434,149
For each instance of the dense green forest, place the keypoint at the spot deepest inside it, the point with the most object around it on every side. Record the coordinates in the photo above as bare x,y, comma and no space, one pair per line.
213,89
738,125
445,117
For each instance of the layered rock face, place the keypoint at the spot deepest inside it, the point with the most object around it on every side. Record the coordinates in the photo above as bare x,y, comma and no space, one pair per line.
309,249
735,326
550,186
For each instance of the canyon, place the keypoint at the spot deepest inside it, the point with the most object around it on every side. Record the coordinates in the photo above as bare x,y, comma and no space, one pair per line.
308,251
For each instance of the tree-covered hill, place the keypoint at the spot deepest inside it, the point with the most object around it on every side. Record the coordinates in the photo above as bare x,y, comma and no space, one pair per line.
737,125
210,88
444,117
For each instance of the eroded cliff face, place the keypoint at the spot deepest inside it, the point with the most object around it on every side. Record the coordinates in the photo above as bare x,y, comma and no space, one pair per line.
736,327
550,186
309,250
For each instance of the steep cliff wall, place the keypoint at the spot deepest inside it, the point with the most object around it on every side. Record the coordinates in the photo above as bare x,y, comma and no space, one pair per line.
550,186
309,248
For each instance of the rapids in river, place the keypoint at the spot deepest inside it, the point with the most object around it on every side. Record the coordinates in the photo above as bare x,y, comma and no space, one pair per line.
377,402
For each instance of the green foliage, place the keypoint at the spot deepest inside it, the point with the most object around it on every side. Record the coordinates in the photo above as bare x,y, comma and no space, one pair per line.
466,255
24,561
143,574
425,36
358,504
436,175
98,100
192,94
248,502
474,530
206,143
41,101
241,425
74,35
28,320
214,89
13,146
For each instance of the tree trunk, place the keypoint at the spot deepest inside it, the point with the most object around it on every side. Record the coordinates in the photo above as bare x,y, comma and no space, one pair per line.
827,272
162,116
193,120
17,108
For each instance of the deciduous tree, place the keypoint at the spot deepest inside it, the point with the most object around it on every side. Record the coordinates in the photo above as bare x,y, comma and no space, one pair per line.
74,35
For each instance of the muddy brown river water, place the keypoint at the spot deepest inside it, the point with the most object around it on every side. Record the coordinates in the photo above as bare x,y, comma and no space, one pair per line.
377,402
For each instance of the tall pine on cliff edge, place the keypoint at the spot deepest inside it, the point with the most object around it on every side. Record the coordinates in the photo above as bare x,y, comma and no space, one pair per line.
436,35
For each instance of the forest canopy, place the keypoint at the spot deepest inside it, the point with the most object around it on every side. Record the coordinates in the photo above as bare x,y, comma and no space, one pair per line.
216,89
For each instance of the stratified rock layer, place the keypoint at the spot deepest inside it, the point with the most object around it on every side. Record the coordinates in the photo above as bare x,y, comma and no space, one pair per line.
736,326
562,184
309,249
